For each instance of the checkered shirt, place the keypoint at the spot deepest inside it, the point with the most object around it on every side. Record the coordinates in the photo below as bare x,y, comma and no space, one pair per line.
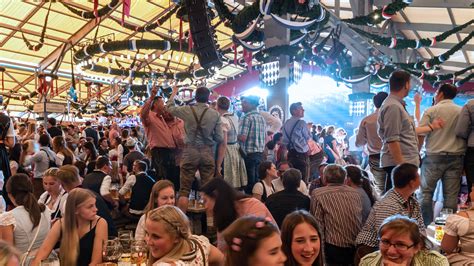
253,126
392,203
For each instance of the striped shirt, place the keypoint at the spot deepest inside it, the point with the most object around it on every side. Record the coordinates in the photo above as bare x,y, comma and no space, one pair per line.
421,258
254,127
392,203
338,210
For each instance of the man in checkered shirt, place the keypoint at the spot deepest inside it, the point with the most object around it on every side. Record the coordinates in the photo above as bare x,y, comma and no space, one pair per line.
252,138
398,200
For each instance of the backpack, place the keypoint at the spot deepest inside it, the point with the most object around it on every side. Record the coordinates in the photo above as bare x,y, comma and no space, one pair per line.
51,163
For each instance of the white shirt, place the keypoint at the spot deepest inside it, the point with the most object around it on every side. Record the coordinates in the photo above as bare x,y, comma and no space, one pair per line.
273,124
105,186
129,183
258,189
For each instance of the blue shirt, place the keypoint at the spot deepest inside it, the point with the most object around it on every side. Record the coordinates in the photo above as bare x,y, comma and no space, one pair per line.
300,136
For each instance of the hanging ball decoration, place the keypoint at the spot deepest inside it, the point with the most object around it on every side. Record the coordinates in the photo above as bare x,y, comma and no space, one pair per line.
386,15
441,58
426,65
418,44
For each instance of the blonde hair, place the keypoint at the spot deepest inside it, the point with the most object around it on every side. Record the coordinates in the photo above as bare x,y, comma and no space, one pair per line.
69,249
53,171
176,223
7,251
155,192
115,173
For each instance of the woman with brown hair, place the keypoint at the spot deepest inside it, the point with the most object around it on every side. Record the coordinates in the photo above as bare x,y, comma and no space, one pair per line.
162,193
401,243
27,225
302,240
63,154
253,241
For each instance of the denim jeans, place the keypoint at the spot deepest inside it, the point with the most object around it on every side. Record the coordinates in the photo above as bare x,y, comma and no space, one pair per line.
252,161
448,169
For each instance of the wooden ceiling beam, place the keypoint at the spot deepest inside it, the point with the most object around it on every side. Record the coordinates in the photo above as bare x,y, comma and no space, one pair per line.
73,40
23,22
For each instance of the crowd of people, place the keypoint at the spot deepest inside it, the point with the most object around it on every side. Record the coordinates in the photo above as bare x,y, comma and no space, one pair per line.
275,193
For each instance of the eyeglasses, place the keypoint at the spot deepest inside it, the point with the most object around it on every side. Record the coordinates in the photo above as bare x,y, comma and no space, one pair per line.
399,246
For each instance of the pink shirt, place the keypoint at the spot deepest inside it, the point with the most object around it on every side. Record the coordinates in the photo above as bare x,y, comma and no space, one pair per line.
113,133
246,207
157,132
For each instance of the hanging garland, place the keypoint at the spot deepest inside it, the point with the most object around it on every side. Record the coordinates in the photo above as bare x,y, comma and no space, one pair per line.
437,78
150,27
81,57
437,60
43,33
91,14
379,15
240,22
400,43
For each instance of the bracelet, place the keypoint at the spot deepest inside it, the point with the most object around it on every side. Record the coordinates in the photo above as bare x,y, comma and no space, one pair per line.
429,125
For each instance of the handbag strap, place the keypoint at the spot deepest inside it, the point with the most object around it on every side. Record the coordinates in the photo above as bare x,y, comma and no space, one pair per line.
32,243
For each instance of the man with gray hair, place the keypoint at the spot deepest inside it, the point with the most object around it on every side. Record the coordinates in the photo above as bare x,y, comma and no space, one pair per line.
338,210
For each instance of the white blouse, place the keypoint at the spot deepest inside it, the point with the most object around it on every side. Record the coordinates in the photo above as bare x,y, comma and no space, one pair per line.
456,225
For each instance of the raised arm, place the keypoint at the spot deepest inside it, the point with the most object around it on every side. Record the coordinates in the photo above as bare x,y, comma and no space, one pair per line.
145,112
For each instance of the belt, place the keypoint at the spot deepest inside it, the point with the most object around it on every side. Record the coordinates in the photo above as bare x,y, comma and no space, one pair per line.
232,143
446,154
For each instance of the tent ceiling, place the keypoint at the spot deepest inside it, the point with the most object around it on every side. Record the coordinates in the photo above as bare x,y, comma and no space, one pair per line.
424,18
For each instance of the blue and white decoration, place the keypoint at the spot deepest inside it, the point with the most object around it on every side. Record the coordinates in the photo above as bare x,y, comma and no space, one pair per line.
270,73
296,72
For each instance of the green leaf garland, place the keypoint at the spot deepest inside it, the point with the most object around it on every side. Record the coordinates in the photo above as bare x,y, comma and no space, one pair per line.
408,43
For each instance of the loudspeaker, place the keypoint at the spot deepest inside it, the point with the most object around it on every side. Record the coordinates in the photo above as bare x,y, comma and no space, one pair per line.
205,46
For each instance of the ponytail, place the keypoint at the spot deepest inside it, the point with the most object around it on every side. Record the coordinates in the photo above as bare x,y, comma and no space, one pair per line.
21,189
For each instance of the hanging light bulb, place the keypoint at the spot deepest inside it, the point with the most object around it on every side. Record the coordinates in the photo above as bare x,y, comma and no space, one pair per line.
169,57
161,56
185,59
145,56
153,56
121,56
100,60
176,57
89,61
138,56
128,56
113,58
